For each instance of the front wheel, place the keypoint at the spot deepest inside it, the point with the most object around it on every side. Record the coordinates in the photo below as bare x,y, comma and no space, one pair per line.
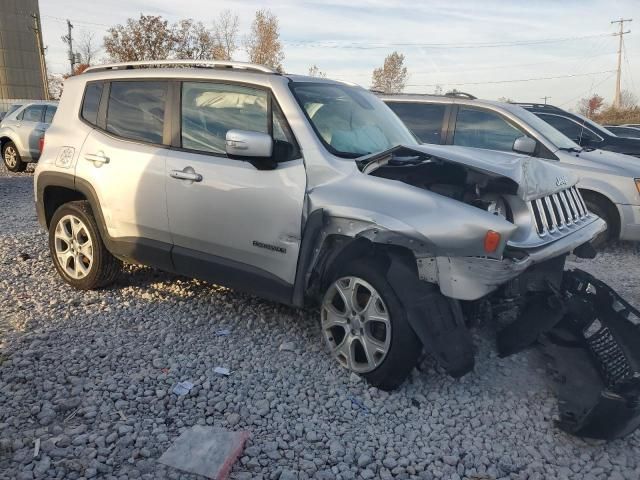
12,159
366,328
77,249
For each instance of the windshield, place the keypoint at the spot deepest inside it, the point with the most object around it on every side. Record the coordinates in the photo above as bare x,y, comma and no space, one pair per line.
350,121
556,137
595,126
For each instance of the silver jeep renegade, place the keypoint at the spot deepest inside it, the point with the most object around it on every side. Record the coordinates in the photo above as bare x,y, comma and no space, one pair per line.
304,191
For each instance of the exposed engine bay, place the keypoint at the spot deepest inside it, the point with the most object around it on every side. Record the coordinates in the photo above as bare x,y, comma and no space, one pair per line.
453,180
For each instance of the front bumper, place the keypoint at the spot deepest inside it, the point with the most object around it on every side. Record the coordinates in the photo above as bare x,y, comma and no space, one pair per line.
629,222
471,278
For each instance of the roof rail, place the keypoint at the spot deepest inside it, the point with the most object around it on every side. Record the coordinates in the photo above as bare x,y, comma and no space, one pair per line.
461,95
177,63
536,105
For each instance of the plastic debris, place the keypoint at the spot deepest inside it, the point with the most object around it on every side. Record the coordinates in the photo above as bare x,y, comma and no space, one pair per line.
222,371
223,332
358,403
287,347
182,388
36,447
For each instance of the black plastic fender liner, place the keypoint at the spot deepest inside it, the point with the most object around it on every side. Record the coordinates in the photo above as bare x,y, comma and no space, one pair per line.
596,354
437,320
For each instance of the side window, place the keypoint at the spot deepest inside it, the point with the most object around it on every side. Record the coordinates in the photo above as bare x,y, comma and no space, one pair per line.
424,120
49,113
483,129
209,110
569,128
136,110
91,102
20,116
33,113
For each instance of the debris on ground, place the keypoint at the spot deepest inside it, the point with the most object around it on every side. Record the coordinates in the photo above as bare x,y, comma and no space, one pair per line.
287,347
182,388
223,332
222,371
207,451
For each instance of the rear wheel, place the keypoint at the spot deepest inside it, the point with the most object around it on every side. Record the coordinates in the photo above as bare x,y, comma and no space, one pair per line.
77,250
12,159
366,328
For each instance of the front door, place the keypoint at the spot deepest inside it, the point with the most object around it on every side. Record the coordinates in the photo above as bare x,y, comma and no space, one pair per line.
234,224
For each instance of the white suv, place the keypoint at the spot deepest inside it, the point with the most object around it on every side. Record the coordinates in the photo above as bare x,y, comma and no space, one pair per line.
304,191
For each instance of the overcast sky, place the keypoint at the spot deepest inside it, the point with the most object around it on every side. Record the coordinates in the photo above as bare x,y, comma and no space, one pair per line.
456,44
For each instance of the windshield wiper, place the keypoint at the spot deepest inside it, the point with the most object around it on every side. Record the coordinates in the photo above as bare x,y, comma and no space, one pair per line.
571,149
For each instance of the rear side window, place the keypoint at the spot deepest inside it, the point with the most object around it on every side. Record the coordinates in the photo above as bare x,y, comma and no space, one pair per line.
49,113
33,113
136,110
483,129
91,102
424,120
209,110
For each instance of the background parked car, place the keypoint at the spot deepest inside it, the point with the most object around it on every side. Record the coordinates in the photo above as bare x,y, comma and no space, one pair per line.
610,183
623,131
21,131
583,131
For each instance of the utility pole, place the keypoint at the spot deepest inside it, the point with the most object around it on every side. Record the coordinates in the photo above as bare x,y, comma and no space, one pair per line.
545,99
37,29
616,99
69,41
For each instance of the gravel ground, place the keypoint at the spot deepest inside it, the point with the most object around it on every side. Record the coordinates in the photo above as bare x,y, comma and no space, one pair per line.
89,376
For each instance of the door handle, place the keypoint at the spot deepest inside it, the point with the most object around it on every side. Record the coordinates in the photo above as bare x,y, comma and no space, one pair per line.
186,174
99,157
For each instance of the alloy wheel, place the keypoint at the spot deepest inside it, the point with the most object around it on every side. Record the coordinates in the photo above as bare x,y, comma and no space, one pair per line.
10,157
73,247
356,324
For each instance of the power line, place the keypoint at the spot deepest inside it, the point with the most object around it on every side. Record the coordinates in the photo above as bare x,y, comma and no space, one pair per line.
511,81
370,46
591,88
60,19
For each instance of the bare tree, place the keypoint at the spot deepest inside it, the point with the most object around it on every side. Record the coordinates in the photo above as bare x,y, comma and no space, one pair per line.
628,100
225,33
147,38
263,43
590,106
392,76
87,47
55,83
193,41
314,71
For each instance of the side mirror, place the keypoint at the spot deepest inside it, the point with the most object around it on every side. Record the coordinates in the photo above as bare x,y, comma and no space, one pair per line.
524,145
248,144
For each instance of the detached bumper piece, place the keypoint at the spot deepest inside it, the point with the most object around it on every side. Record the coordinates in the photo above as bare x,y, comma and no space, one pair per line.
592,337
596,352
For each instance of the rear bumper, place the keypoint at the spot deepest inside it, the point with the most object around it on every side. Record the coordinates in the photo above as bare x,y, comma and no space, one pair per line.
629,222
471,278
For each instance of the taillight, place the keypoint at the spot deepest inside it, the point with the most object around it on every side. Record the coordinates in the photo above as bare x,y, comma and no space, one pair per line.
491,241
41,143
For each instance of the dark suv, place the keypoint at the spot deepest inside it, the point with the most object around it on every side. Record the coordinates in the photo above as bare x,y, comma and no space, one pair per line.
583,131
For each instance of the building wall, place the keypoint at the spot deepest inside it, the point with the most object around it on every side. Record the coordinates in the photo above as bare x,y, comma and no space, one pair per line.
20,71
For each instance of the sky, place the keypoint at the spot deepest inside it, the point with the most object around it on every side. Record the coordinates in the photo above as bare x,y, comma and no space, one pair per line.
475,47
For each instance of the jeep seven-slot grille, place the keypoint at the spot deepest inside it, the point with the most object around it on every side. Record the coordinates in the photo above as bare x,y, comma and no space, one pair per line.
558,211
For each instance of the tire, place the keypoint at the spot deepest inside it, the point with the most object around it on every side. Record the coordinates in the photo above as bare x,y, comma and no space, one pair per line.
605,237
397,346
12,159
77,250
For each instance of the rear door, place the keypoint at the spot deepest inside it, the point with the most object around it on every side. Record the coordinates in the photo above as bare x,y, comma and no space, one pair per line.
427,121
123,161
237,224
29,129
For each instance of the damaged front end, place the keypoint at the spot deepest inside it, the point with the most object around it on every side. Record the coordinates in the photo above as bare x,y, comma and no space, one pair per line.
591,336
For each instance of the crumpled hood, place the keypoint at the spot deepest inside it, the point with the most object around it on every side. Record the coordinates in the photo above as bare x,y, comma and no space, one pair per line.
535,178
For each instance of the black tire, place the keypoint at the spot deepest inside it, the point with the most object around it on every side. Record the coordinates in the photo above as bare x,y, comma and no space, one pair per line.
15,164
104,267
603,212
405,346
